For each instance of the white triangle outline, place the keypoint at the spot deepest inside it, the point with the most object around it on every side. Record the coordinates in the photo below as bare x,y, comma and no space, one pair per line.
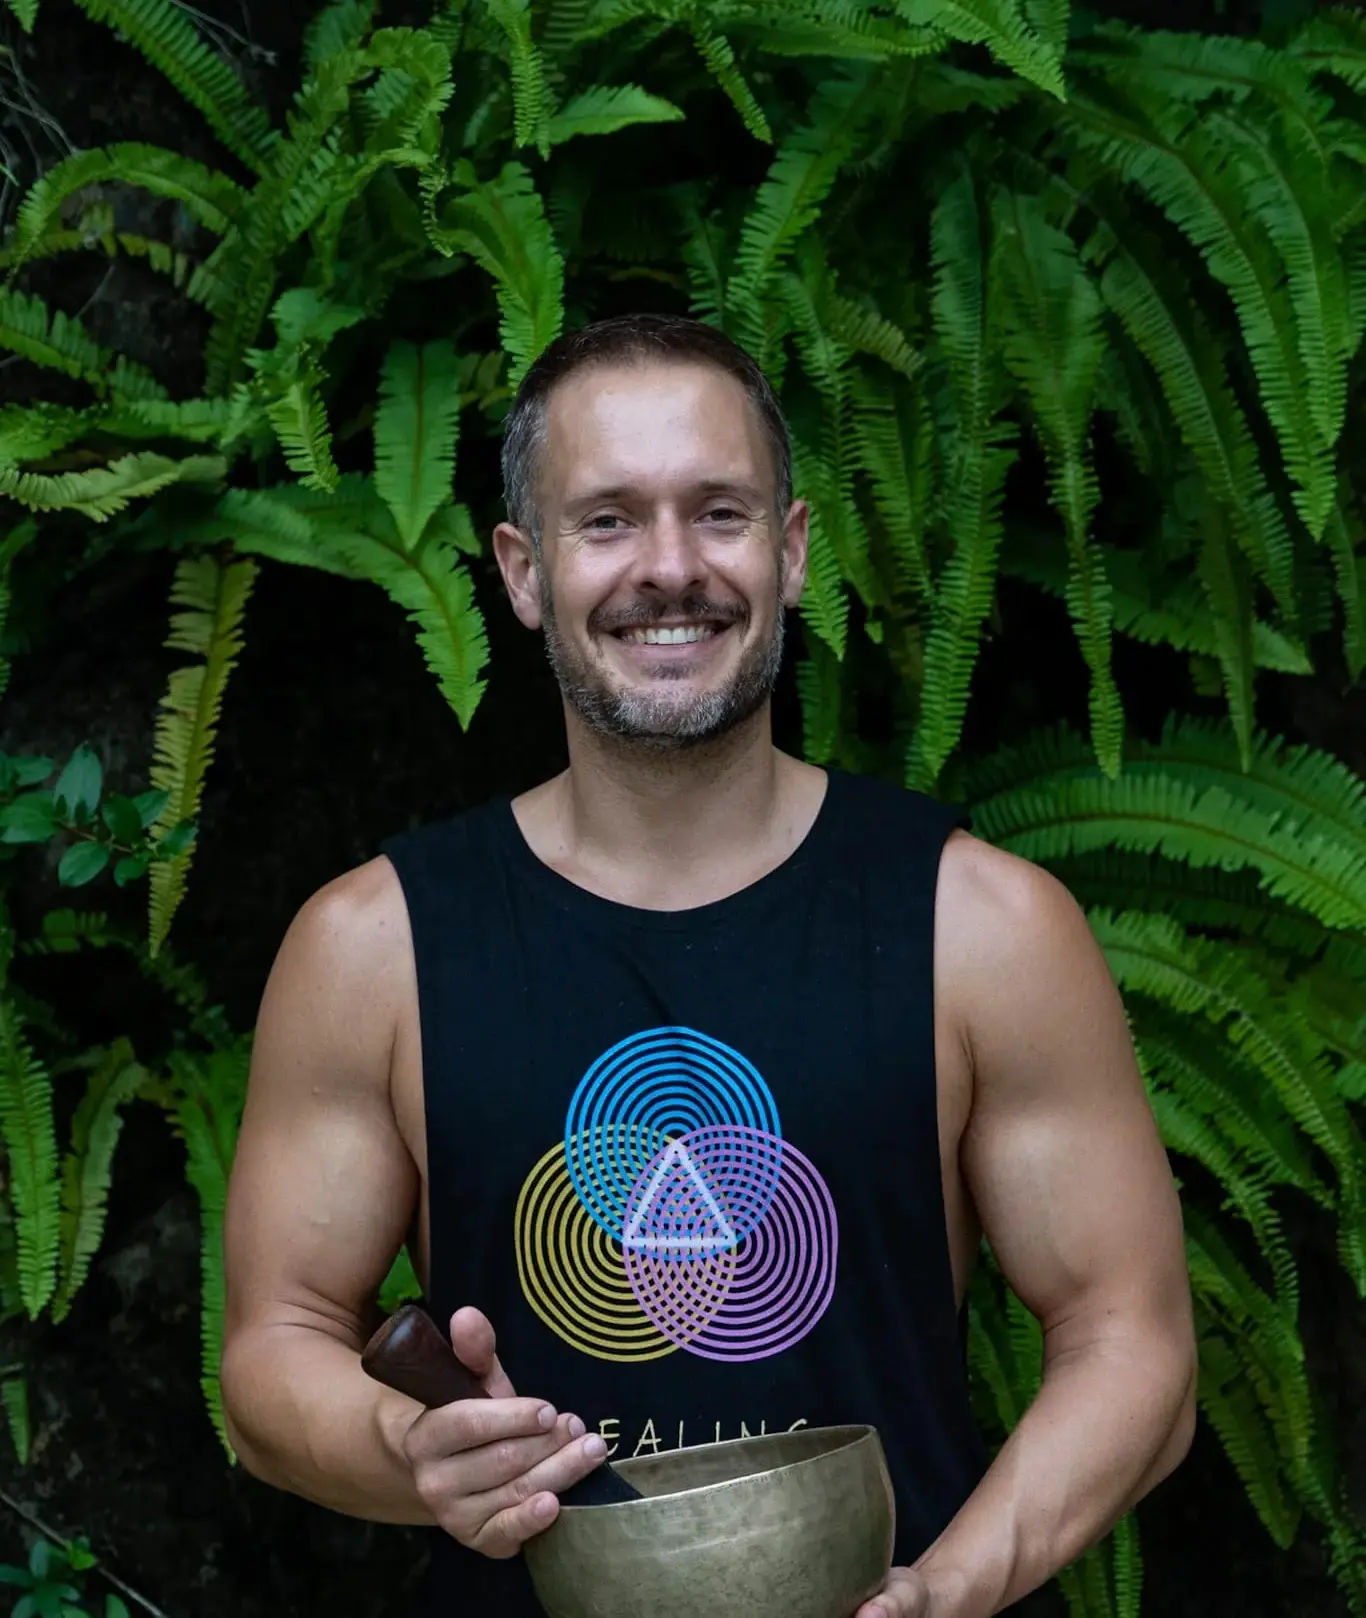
725,1238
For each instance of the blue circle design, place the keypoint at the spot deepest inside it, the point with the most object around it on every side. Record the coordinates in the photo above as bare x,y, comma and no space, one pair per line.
648,1090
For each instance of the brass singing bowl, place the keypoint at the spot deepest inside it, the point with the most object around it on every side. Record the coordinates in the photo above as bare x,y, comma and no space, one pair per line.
786,1525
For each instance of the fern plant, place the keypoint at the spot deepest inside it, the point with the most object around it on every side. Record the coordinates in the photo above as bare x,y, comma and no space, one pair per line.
1047,299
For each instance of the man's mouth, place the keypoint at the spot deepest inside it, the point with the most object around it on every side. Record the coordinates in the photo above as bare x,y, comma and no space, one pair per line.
670,635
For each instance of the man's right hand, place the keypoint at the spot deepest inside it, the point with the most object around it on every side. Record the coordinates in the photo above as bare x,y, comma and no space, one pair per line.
491,1470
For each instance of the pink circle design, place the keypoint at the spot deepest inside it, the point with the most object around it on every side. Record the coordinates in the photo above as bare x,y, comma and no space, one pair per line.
731,1242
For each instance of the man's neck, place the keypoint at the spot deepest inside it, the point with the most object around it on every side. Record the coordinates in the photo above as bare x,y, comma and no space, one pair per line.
671,829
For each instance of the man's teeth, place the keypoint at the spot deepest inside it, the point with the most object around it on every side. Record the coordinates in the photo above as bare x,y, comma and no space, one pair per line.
669,637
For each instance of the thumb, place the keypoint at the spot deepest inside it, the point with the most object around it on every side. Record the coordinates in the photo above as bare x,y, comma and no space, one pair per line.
476,1347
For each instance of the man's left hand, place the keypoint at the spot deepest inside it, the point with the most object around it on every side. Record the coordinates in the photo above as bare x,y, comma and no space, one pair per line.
904,1595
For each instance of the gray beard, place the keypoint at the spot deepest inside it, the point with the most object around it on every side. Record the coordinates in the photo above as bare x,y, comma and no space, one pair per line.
653,719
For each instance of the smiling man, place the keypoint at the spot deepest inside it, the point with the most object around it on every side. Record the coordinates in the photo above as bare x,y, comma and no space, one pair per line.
696,1075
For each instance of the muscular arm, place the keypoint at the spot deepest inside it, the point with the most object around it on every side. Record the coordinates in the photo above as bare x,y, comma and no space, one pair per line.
321,1194
1071,1181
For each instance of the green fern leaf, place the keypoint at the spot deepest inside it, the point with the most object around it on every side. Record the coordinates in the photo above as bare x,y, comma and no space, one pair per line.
1001,26
894,437
208,196
415,433
1231,1408
86,1168
842,30
29,1135
825,601
26,11
1188,170
104,491
435,589
1334,42
1155,309
50,339
604,109
964,305
1054,344
206,1101
530,99
1345,540
822,700
14,1389
212,599
400,1286
719,55
1228,591
503,227
789,201
165,35
295,525
296,411
336,30
1050,20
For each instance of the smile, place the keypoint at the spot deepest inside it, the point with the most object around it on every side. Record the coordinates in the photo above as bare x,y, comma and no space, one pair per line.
681,635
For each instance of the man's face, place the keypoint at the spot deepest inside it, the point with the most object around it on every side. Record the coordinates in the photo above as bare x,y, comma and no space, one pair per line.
664,568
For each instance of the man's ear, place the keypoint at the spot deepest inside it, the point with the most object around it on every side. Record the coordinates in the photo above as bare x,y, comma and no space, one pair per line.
518,563
796,543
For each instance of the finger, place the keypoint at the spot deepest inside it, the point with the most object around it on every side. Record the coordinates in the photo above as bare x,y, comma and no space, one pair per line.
517,1510
476,1346
902,1596
494,1466
469,1424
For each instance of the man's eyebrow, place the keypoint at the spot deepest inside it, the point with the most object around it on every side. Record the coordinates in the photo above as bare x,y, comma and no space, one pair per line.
609,493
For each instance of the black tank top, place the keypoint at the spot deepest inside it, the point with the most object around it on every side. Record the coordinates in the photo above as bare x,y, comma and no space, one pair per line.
688,1162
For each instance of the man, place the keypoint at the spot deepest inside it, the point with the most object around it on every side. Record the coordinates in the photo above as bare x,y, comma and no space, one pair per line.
696,1074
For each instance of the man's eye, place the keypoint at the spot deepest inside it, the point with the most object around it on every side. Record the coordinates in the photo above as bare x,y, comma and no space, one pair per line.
604,523
724,514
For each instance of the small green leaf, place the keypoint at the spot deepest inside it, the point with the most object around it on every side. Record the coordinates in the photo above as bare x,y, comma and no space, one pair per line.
30,819
78,786
130,867
114,1608
29,771
122,818
150,804
80,1556
82,863
177,840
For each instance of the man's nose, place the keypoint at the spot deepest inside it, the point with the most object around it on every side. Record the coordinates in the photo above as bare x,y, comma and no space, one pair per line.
669,557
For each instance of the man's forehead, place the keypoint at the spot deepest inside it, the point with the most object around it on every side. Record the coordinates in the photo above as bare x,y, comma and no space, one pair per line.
610,424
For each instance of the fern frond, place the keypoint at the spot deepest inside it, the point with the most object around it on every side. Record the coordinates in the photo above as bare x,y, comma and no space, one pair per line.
1001,26
164,34
894,438
206,1101
212,599
530,98
415,433
825,601
86,1167
296,411
29,1136
789,201
400,1285
434,587
502,226
819,688
964,306
719,55
106,490
1054,344
1333,42
1155,610
842,30
26,11
336,29
1175,159
1228,592
14,1389
211,198
1232,1409
1348,546
603,109
49,338
296,525
1156,310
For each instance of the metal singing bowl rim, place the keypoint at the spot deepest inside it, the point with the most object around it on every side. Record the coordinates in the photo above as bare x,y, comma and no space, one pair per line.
851,1436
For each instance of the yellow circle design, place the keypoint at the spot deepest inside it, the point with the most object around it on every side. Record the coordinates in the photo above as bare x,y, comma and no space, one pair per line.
573,1273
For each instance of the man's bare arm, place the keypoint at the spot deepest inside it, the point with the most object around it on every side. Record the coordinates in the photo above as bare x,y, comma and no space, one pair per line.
1077,1200
322,1192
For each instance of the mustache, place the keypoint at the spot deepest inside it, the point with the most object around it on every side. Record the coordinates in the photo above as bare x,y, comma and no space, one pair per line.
641,614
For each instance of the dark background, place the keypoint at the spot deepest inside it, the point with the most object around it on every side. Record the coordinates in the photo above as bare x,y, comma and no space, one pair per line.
334,735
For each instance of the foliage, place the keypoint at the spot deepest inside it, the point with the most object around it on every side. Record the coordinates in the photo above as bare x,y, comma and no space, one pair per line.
51,1580
1054,305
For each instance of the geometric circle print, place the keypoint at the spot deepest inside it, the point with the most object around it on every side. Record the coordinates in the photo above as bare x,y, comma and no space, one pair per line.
645,1091
673,1214
571,1272
714,1281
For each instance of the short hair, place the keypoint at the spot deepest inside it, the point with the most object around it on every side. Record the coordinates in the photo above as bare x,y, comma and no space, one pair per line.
627,340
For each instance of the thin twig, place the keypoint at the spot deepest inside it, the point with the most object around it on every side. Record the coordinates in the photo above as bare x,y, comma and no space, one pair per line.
51,1534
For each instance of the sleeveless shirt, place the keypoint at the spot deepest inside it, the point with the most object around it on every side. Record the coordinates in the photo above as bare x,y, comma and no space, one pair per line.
687,1162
